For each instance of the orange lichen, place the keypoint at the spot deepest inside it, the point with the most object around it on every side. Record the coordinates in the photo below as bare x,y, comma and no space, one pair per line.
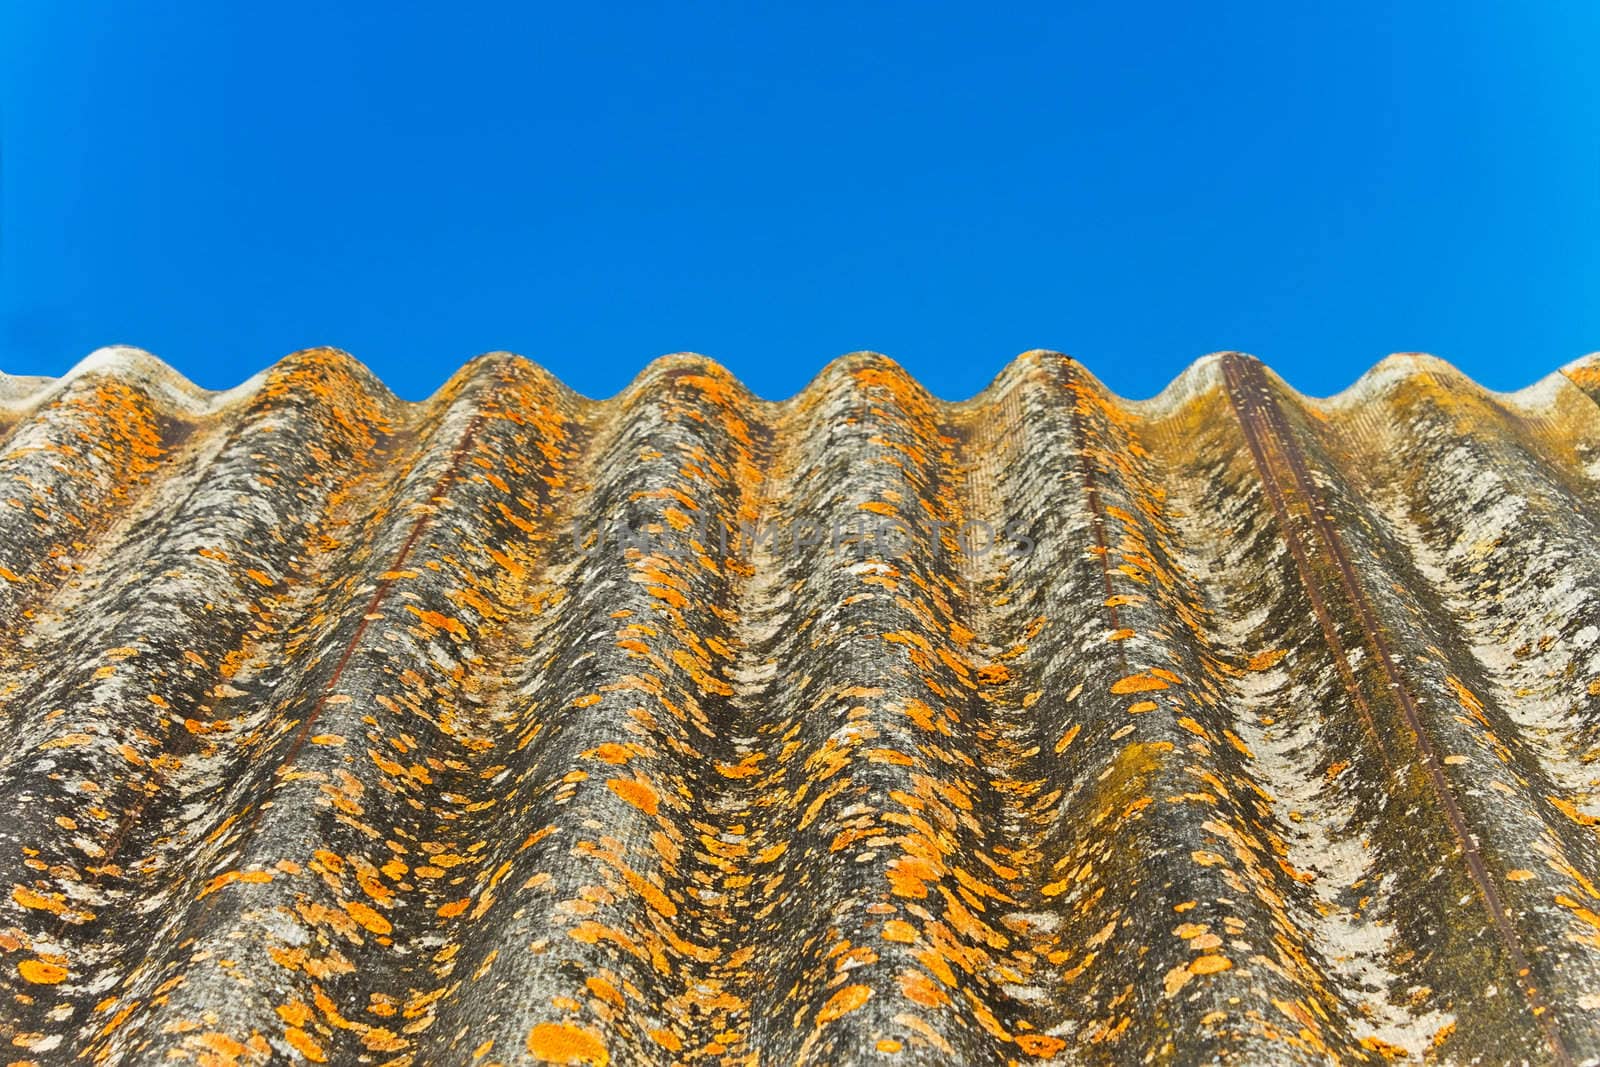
54,903
1138,683
367,916
438,621
610,752
637,793
230,877
305,1044
1209,964
1040,1045
843,1002
39,972
453,908
566,1043
1262,661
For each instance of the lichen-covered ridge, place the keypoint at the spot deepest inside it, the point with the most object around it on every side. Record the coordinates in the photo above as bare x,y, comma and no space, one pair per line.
336,728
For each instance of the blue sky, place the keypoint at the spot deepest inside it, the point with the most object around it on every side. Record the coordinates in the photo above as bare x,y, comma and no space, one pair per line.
951,185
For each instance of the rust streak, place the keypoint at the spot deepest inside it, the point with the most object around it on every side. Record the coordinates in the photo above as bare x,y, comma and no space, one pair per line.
1257,439
442,486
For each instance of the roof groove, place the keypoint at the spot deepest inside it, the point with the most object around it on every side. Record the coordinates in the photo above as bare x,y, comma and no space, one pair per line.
1164,824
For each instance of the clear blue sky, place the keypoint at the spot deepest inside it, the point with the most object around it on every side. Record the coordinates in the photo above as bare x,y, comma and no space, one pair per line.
951,185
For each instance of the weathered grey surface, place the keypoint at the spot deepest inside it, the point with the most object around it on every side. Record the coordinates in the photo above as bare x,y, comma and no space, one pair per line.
321,739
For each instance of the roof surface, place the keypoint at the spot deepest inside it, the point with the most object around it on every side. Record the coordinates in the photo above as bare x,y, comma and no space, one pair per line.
342,728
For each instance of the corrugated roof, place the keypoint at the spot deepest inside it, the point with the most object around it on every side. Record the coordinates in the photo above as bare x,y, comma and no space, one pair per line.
342,728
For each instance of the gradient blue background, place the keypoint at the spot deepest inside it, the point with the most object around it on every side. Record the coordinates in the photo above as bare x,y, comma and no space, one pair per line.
947,184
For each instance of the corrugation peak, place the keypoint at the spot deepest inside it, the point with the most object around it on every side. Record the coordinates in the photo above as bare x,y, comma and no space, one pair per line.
684,726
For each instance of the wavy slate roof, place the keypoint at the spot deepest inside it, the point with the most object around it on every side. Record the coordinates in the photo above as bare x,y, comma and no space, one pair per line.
325,737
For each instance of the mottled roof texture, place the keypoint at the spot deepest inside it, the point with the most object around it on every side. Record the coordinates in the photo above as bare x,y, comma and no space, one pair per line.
323,740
